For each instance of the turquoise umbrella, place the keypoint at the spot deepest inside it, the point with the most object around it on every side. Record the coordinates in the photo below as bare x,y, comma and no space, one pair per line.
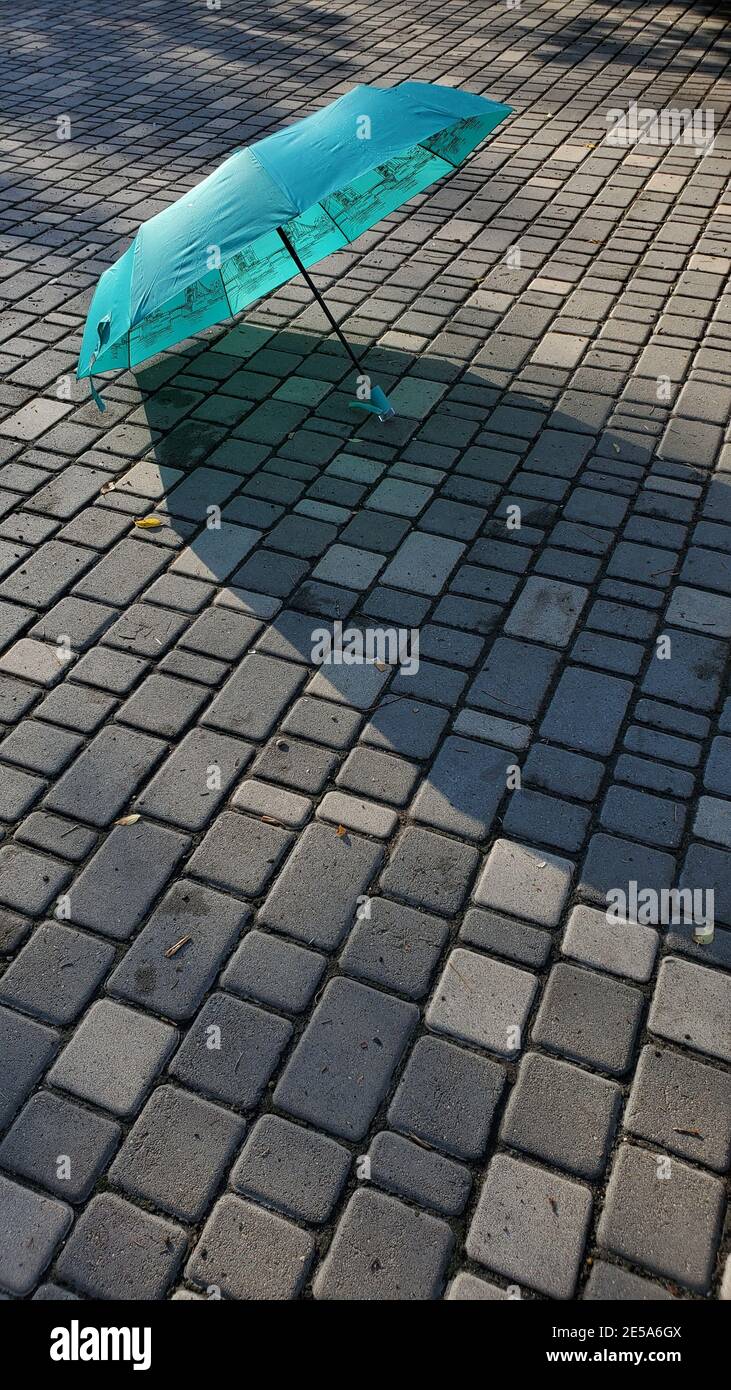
275,208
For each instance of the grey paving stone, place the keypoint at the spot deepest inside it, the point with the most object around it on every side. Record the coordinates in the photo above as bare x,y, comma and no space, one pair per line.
240,854
384,1250
41,747
411,1171
254,697
163,705
692,676
18,792
556,770
32,660
292,1169
177,1152
467,1287
619,947
504,936
681,1105
122,574
482,1001
230,1051
429,871
692,1005
422,563
589,1018
264,800
447,1097
571,716
33,1226
322,721
113,1057
295,764
61,1146
247,1253
709,869
613,863
669,1225
342,1066
195,779
405,726
274,972
547,611
562,1115
355,813
530,1225
613,1284
27,1047
56,973
514,679
117,887
395,947
102,780
525,882
295,905
464,788
147,1251
206,923
29,882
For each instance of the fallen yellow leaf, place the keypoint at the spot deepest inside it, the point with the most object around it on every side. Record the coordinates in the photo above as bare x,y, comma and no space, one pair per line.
147,522
127,820
341,831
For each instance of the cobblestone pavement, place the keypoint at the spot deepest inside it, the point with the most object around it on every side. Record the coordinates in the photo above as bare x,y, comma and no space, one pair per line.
361,913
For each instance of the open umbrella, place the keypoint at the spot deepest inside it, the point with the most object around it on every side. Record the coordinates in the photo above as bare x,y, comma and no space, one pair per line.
275,208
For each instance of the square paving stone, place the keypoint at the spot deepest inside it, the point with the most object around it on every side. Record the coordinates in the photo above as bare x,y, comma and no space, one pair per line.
115,890
514,679
530,1225
505,937
463,788
287,1167
56,972
379,775
18,791
340,1071
147,1251
562,1115
296,904
411,1171
406,726
589,1018
30,882
59,1145
525,882
547,611
295,764
240,853
681,1105
482,1001
274,972
113,1057
395,947
670,1225
447,1097
358,685
231,1050
163,706
41,747
620,947
384,1250
692,1006
613,864
203,925
32,660
466,1288
423,563
692,675
177,1152
709,869
571,717
429,871
247,1253
32,1228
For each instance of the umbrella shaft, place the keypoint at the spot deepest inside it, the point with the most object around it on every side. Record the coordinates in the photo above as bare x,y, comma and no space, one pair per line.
319,299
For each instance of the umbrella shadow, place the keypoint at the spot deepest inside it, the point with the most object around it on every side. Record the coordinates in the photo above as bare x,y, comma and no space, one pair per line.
312,522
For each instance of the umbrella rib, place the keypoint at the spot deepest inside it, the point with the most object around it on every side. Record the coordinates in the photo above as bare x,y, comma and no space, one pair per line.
335,326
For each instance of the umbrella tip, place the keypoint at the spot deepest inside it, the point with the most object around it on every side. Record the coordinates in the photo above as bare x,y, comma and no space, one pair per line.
378,404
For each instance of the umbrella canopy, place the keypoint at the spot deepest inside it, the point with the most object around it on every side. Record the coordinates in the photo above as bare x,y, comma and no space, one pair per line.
275,207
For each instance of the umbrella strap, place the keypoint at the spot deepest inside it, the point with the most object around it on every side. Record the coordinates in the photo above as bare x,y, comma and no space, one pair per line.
102,330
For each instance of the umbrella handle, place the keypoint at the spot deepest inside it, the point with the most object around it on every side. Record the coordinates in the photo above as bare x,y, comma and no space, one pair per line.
378,404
